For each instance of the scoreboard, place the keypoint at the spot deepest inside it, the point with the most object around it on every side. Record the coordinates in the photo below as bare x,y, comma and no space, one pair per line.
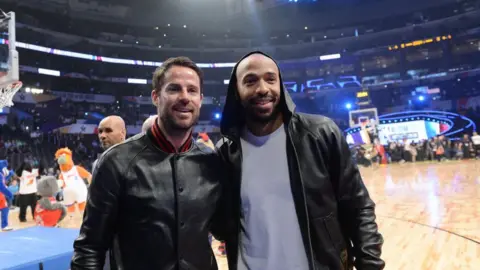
363,98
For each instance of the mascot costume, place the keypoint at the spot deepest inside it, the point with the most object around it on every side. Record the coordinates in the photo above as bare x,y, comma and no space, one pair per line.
74,181
5,194
203,138
48,211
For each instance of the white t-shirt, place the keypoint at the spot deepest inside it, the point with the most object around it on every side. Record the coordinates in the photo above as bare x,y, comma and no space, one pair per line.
272,239
476,140
28,182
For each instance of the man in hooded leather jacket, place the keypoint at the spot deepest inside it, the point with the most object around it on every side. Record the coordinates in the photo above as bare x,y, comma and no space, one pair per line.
299,201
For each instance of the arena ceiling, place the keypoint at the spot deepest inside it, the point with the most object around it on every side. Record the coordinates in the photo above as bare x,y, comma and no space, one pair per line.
244,15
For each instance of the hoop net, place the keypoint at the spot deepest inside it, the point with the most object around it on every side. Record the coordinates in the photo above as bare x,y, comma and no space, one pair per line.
7,92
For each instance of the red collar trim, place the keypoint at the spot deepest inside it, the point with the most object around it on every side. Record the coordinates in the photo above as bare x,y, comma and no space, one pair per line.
164,144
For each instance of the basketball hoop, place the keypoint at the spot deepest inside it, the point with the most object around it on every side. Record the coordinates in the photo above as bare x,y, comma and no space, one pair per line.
7,92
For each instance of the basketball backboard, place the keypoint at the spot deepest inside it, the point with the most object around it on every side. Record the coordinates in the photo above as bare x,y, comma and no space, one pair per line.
364,117
9,69
9,64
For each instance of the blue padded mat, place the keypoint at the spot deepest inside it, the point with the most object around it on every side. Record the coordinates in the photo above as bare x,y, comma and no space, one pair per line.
26,249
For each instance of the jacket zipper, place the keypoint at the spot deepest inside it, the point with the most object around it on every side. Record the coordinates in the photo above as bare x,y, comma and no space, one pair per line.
175,201
239,231
239,143
304,200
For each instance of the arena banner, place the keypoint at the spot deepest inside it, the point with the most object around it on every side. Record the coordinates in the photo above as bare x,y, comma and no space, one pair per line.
131,129
411,130
23,97
393,109
469,102
147,100
442,105
80,97
143,100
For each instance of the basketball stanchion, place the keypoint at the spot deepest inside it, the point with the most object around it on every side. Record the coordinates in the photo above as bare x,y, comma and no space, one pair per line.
9,67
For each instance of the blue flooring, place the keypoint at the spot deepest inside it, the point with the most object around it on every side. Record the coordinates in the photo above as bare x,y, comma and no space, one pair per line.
37,248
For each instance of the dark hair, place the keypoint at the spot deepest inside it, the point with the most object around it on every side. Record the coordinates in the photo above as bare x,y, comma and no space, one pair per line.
182,61
25,166
41,169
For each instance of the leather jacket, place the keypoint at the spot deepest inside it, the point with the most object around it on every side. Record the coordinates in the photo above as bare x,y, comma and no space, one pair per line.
153,210
335,213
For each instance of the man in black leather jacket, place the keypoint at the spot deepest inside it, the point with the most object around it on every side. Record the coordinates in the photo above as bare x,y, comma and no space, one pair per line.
299,201
153,199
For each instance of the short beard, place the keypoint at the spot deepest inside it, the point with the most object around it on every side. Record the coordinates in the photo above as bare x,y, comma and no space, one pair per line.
255,118
104,148
172,128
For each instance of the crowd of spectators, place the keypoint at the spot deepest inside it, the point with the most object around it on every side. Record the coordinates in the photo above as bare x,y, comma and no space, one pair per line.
436,149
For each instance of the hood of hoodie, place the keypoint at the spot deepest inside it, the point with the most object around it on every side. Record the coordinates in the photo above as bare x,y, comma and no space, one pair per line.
233,116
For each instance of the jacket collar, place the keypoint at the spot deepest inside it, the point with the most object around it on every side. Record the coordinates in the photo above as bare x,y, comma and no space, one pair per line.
233,116
159,139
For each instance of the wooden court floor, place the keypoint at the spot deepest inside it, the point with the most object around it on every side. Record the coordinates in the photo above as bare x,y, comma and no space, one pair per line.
428,213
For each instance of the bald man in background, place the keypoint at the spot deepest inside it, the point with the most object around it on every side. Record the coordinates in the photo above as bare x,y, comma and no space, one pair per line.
111,131
148,123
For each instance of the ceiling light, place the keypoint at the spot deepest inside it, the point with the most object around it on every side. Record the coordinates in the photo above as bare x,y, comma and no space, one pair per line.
184,26
164,35
306,28
168,25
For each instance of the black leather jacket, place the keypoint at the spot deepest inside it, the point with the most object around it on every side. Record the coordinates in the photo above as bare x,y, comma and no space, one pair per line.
152,209
335,212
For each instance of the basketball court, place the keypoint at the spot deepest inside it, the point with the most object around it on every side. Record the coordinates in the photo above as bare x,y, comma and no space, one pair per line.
428,214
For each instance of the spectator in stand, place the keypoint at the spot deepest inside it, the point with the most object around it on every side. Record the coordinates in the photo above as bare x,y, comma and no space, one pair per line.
13,187
458,150
467,146
430,149
476,143
440,149
148,123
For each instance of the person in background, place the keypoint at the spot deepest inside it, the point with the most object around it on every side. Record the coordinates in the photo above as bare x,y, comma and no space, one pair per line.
111,131
27,191
476,143
149,123
467,146
13,187
5,195
458,150
299,201
205,139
